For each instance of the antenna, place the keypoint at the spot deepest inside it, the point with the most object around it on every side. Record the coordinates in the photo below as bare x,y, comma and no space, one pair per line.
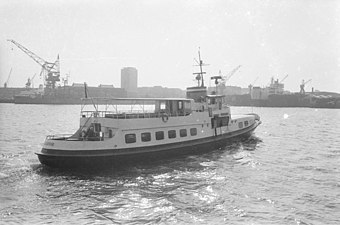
216,81
199,75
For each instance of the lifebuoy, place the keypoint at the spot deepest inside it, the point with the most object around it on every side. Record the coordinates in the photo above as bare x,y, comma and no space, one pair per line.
165,117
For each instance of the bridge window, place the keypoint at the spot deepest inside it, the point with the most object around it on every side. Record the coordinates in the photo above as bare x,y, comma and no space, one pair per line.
159,135
183,132
187,105
193,131
240,125
225,120
245,123
146,137
220,121
130,138
162,105
180,105
172,134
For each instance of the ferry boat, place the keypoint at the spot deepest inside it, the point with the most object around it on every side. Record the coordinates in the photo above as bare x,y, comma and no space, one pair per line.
115,131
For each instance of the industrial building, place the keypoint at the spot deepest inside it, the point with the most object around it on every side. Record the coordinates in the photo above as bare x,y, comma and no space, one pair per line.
129,77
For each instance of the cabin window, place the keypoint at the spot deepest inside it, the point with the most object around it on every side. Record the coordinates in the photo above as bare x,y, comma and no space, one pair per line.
245,123
211,101
225,121
193,131
130,138
159,135
162,105
210,112
172,134
240,124
187,105
146,137
97,127
183,132
219,121
180,105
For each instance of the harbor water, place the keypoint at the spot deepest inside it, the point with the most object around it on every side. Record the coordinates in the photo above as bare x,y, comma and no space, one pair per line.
288,172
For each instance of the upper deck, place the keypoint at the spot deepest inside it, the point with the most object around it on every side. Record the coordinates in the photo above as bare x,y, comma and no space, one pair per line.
128,108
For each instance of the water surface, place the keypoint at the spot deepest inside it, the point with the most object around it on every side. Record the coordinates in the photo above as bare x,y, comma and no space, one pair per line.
286,173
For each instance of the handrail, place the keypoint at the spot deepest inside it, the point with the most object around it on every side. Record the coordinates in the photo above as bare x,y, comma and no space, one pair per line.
132,115
58,136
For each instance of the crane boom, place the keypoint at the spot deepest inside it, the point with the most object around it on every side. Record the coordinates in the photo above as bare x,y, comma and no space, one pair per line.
283,78
302,86
36,58
230,74
9,75
252,84
307,81
51,71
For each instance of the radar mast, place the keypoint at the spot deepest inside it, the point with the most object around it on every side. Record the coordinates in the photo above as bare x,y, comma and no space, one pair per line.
199,75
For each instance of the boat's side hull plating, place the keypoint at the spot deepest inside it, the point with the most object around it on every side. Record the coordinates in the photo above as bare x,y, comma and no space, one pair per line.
118,157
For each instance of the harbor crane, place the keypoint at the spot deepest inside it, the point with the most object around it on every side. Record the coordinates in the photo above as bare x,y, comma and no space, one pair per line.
65,79
30,82
302,86
230,74
250,86
283,79
9,75
50,71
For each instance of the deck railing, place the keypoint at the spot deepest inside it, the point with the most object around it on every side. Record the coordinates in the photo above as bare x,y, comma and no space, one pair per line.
129,115
58,136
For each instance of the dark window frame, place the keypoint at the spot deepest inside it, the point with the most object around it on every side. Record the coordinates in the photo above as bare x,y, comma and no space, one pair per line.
193,131
130,138
183,133
172,134
146,136
159,135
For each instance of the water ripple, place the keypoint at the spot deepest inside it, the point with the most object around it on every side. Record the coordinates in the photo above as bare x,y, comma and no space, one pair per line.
287,173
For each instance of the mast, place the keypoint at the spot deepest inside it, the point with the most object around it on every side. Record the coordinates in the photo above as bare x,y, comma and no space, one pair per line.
199,75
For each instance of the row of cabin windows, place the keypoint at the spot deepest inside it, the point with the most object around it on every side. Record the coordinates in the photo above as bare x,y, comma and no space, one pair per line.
240,124
145,137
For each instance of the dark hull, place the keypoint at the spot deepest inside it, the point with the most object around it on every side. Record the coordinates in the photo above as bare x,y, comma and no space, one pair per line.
118,158
6,100
47,100
67,95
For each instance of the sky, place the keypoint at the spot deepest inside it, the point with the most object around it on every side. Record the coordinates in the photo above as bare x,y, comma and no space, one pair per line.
161,38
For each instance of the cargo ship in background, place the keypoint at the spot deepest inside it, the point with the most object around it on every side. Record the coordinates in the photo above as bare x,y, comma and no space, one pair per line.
65,95
68,94
275,96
